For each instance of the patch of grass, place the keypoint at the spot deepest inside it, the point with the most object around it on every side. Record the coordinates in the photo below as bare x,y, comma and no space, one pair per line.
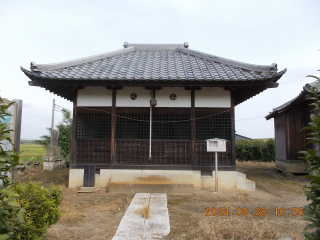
245,227
32,150
110,206
173,203
59,176
32,153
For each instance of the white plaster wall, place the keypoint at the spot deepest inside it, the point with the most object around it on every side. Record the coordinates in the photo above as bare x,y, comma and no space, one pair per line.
183,97
94,97
142,100
212,97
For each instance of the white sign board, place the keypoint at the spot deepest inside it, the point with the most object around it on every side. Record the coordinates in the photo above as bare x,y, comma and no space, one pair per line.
216,145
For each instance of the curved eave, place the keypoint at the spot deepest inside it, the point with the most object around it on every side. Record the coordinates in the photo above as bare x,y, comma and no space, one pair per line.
241,90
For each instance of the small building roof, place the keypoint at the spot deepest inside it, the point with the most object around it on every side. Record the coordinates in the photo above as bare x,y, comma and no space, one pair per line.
239,137
154,64
301,97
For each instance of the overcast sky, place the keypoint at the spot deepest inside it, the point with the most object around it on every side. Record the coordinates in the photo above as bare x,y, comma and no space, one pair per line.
257,32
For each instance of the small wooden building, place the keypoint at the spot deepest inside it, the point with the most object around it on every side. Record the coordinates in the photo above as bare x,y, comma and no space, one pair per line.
289,119
239,137
193,95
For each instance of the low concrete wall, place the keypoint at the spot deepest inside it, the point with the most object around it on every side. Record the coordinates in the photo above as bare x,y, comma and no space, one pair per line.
292,166
227,180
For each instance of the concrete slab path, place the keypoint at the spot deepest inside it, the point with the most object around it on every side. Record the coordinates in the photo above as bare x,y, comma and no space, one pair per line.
134,226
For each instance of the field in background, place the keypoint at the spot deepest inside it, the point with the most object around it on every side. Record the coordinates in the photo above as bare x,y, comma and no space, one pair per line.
31,152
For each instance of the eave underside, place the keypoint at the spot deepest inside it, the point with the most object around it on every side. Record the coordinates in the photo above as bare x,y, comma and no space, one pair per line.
242,91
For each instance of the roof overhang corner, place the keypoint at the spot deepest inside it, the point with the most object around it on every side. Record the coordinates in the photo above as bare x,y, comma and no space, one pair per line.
271,115
272,85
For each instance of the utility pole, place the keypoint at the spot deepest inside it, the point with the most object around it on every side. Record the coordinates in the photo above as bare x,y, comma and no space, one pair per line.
52,124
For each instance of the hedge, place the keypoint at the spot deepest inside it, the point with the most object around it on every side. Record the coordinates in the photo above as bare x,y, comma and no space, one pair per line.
41,209
255,150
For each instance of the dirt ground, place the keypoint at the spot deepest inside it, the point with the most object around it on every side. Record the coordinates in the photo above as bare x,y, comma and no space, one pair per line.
238,214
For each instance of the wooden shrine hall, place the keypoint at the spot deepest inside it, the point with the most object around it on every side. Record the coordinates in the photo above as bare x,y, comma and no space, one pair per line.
145,111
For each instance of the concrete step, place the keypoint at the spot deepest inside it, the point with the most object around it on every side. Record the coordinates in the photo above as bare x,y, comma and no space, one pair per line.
244,183
149,187
250,185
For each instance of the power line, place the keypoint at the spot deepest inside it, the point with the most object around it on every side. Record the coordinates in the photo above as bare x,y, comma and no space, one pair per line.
59,108
189,120
139,120
249,118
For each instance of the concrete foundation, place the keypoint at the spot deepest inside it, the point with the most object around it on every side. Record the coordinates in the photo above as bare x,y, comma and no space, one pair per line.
292,166
124,179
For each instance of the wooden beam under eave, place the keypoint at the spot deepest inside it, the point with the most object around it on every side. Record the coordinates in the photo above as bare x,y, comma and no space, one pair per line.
116,87
67,91
70,96
74,131
233,132
153,87
192,88
193,130
113,129
239,94
59,91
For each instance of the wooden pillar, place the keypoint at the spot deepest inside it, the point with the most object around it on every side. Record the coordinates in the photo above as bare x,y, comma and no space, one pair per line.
233,143
113,129
74,131
193,130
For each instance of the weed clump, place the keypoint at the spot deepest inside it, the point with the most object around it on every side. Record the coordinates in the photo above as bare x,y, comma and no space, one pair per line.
145,210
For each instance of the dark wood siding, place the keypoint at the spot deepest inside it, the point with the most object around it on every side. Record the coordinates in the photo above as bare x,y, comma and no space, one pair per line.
296,118
164,152
280,136
208,158
93,151
171,137
93,138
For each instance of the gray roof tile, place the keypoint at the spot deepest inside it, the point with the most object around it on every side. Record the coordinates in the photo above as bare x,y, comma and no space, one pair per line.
154,62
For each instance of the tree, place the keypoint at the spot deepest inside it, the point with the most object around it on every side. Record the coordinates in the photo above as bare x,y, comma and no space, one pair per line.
312,156
44,139
64,135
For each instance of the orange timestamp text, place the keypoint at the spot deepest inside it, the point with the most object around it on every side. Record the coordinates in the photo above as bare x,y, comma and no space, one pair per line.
257,212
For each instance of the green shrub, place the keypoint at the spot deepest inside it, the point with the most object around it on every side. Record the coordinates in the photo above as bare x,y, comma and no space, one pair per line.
312,156
42,209
255,150
11,213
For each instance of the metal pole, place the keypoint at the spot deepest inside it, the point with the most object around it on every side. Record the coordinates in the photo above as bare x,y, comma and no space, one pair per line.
150,133
52,124
216,170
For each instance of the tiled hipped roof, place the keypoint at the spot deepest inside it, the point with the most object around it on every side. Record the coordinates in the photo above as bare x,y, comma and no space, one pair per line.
296,100
156,65
152,63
